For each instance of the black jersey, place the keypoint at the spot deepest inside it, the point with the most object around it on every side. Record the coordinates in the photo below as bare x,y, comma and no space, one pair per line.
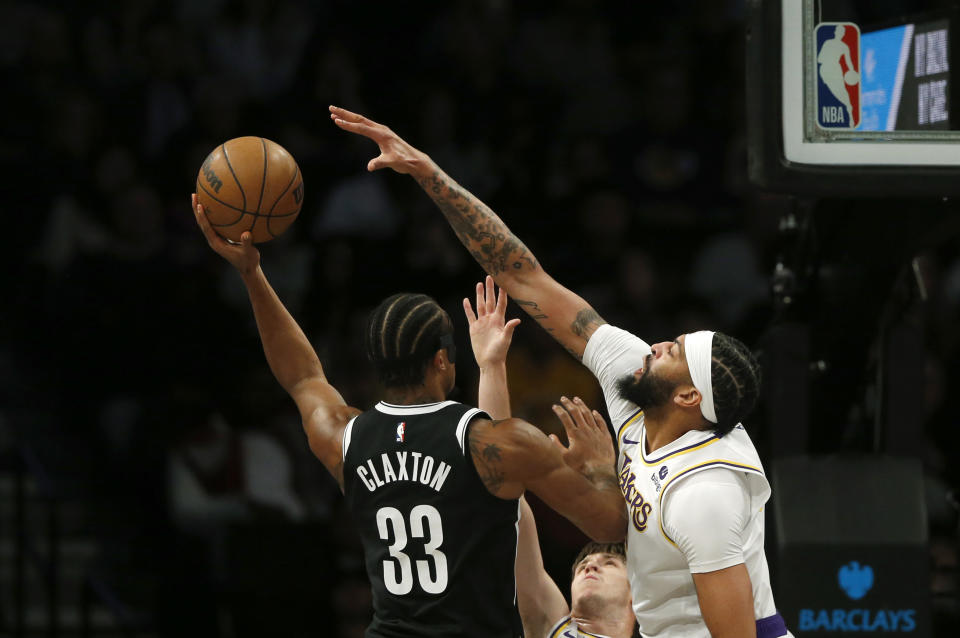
439,548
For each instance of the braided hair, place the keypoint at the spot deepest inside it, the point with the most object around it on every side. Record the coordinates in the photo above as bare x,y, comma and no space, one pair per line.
735,376
403,334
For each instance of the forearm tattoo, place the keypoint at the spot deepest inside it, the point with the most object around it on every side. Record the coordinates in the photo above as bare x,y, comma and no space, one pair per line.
606,480
586,322
533,309
494,247
603,478
483,233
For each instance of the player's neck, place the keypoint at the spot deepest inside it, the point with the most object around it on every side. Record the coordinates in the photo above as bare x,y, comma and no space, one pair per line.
413,395
615,623
666,426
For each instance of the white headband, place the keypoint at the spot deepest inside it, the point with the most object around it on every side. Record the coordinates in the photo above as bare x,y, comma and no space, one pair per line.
699,347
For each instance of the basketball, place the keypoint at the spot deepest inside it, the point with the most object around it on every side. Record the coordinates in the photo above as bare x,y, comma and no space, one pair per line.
851,77
250,183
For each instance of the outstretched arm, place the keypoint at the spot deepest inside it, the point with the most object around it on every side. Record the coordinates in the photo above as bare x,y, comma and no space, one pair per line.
538,598
540,602
561,312
292,359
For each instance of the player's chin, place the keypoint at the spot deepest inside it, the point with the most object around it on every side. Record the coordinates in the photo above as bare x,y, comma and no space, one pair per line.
591,596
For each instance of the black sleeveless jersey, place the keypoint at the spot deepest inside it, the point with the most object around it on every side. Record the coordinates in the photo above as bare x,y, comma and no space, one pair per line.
440,549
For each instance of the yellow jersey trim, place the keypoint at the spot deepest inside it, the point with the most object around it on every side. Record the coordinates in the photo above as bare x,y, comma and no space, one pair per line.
565,624
630,421
556,632
690,448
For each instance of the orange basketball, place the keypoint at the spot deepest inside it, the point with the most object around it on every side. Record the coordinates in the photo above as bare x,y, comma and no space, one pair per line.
250,183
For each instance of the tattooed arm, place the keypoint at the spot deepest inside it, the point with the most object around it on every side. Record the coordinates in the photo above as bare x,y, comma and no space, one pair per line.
560,311
511,456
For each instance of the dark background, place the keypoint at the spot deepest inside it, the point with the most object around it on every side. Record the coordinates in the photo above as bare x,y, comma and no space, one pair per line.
611,139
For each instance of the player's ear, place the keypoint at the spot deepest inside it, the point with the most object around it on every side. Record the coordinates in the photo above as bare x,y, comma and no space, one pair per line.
687,396
440,361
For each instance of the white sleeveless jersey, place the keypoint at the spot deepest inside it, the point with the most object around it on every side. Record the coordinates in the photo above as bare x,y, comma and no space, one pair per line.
664,597
567,627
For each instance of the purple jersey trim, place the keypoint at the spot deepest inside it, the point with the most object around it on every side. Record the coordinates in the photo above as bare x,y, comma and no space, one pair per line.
771,627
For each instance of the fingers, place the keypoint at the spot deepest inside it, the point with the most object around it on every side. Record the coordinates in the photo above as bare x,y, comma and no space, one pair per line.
489,305
589,442
582,416
344,114
598,420
509,327
491,297
564,417
356,123
355,127
481,301
556,441
501,302
202,220
575,412
214,239
468,310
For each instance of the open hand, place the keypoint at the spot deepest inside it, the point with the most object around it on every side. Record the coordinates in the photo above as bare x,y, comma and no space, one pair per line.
243,256
395,153
490,334
590,449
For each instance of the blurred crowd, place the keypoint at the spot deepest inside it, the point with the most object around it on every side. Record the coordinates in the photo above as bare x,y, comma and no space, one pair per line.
612,140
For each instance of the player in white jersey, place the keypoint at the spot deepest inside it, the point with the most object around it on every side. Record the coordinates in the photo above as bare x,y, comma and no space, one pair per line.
696,498
695,535
599,590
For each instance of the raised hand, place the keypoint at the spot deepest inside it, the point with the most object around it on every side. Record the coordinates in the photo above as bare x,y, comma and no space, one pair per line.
590,449
243,256
395,153
490,334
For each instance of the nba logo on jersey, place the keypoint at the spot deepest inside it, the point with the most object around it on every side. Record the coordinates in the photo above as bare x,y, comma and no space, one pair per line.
838,75
401,428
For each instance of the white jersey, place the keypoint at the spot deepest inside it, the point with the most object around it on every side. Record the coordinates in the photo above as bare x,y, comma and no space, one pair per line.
659,563
567,627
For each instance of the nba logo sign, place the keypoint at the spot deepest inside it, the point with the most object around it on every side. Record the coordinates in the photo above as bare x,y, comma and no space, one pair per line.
838,75
401,429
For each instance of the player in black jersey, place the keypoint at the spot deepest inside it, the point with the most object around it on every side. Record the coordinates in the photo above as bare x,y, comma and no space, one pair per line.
432,484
